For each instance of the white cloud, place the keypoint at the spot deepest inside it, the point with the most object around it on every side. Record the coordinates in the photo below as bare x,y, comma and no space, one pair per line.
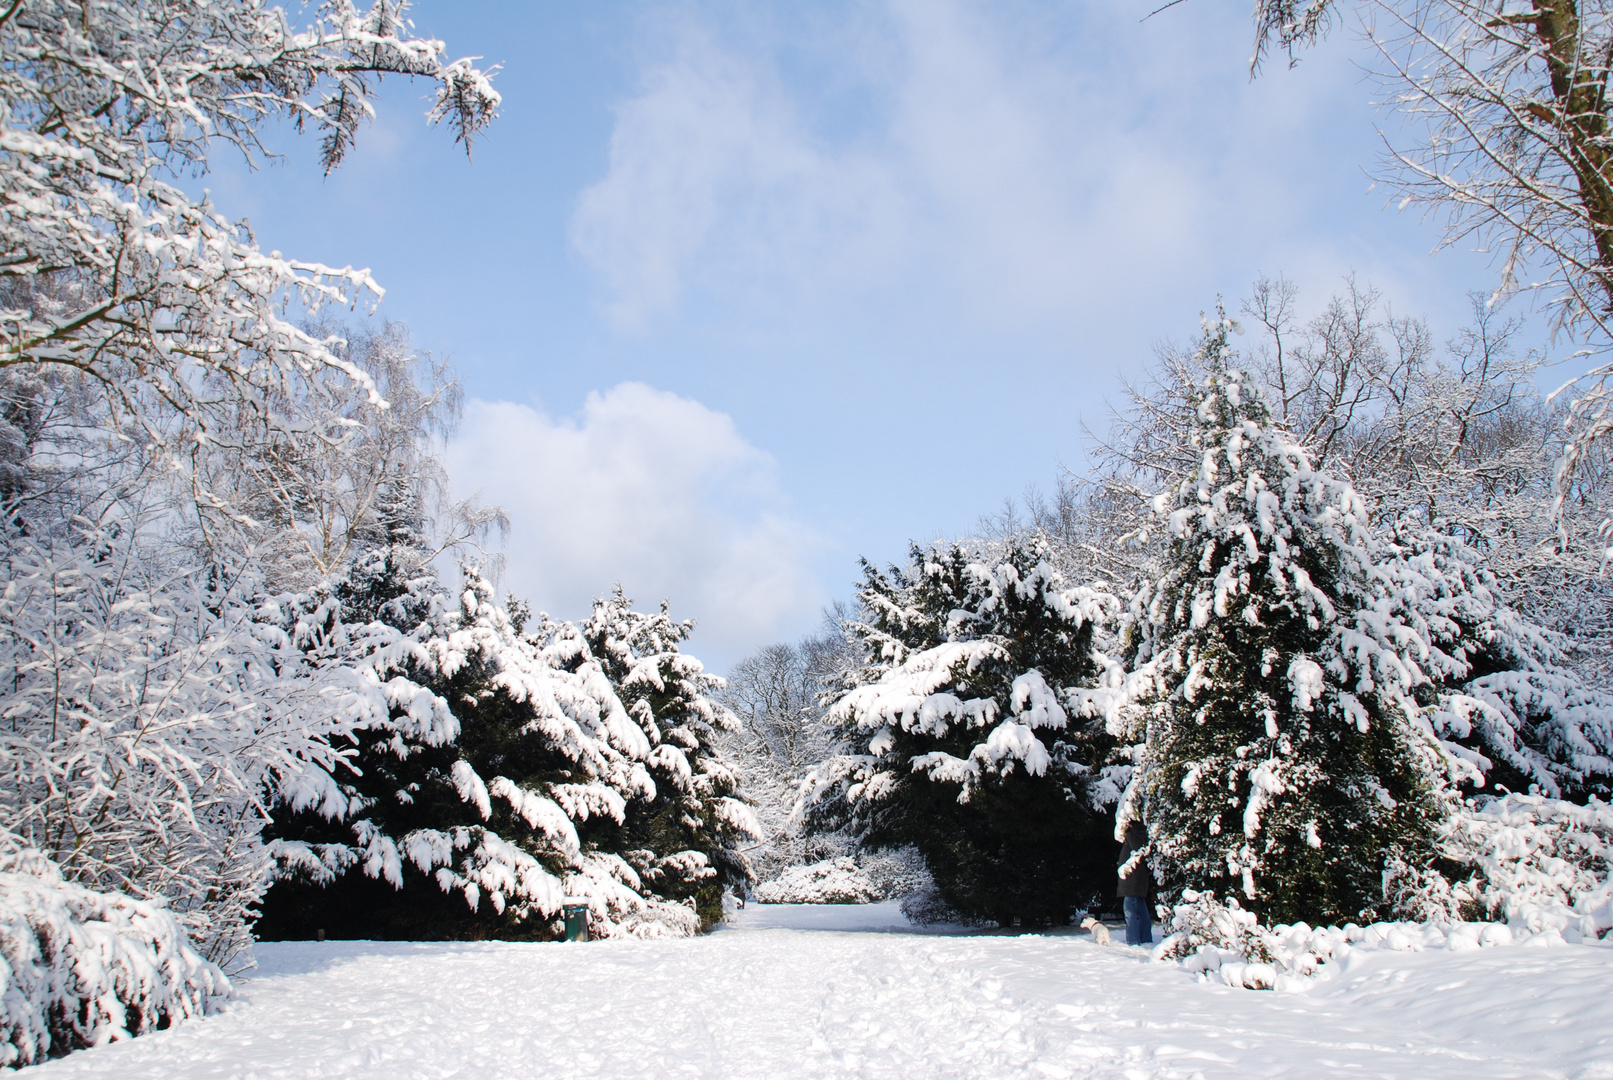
1009,162
1039,188
648,489
1008,176
712,155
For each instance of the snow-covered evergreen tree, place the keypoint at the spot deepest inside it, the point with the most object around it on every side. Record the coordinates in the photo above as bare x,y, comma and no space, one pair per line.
1285,754
686,839
975,732
1501,697
479,781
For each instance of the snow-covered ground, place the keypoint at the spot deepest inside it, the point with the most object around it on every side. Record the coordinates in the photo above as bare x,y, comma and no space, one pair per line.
810,992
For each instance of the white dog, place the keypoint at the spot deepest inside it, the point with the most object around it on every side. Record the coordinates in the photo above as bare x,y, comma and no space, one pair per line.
1100,932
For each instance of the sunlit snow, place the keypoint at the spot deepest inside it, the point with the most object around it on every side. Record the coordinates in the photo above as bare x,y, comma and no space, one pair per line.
851,991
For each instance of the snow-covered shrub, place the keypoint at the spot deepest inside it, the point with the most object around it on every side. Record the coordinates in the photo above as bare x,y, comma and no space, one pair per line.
833,881
925,906
1542,865
974,731
81,968
1224,941
1199,921
895,872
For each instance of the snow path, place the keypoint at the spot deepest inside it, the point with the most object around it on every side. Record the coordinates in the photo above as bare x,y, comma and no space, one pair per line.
770,1001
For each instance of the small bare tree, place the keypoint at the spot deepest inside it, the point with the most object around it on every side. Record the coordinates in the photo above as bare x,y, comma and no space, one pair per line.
776,692
309,493
1512,150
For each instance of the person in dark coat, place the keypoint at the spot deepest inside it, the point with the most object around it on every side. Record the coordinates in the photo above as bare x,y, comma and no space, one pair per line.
1135,881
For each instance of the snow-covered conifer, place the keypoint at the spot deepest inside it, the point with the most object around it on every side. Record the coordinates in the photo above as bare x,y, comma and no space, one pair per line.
1501,696
685,840
479,779
1274,671
974,731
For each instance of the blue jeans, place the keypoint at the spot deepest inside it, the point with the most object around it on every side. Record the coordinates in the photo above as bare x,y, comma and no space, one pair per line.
1139,927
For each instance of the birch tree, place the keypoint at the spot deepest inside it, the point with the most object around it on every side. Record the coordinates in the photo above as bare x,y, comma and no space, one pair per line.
156,690
166,309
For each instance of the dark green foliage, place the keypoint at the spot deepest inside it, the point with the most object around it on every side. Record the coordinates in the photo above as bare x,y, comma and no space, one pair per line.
1023,848
995,788
419,849
402,785
356,904
1284,762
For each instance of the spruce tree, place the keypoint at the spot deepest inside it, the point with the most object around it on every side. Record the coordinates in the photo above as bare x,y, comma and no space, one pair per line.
974,733
478,788
686,839
391,579
1275,674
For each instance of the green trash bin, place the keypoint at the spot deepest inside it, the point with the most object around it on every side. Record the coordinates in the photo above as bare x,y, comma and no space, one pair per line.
576,922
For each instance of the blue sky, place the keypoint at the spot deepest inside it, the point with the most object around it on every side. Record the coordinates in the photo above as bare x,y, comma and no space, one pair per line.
741,292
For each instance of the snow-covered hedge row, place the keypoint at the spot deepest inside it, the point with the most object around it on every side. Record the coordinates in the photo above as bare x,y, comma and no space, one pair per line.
1540,869
833,881
81,968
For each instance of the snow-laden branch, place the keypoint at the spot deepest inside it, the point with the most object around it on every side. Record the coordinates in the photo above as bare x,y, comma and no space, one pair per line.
110,272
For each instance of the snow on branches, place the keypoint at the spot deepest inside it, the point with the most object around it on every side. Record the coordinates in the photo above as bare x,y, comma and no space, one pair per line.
686,839
1273,676
82,968
109,271
978,710
146,717
1544,866
1508,711
484,765
784,732
966,692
